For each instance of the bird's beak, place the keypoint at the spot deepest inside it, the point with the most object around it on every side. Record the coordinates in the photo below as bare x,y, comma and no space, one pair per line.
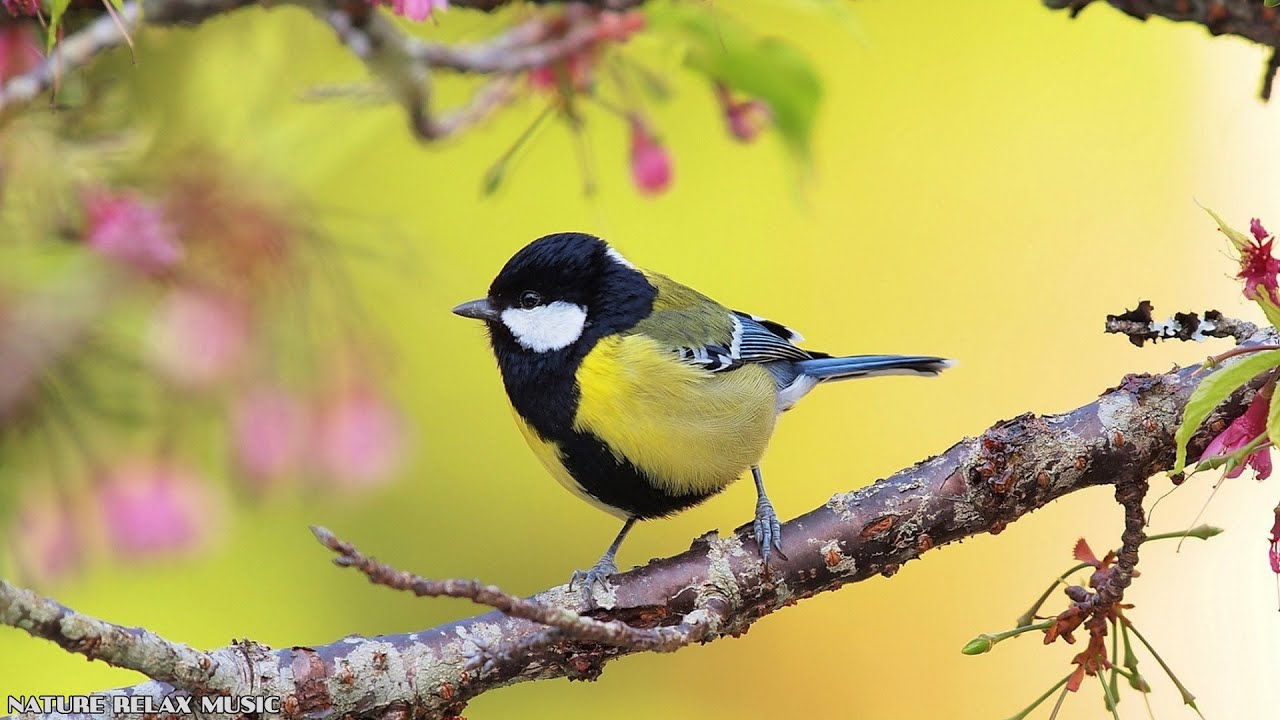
480,309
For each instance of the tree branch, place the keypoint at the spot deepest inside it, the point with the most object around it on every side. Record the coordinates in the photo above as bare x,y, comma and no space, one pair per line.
403,62
1249,19
718,587
1141,326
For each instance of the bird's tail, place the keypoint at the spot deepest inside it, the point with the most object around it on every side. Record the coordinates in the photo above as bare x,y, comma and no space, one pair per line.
855,366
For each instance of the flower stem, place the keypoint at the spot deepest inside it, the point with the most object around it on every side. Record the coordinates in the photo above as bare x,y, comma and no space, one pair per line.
1204,532
1040,700
1215,360
1113,685
1026,617
1111,700
984,642
1187,697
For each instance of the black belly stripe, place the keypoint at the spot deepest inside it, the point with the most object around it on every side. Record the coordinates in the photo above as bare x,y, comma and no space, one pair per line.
618,484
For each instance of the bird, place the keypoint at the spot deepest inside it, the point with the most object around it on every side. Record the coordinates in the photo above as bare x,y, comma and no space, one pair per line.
642,396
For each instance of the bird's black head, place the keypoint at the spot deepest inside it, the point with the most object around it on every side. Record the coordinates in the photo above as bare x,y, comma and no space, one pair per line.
562,292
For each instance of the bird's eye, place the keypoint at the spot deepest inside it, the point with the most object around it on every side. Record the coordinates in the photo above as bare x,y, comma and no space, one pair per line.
530,299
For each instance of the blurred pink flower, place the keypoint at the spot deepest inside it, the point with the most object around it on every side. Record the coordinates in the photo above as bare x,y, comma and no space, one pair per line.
19,8
1243,429
650,162
18,52
418,10
151,508
577,70
270,430
359,437
199,337
46,540
129,230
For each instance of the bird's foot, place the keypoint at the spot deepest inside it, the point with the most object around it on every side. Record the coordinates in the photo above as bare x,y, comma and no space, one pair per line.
487,656
768,531
598,575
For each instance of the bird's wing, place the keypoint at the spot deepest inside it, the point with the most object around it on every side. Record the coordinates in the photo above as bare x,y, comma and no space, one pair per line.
705,333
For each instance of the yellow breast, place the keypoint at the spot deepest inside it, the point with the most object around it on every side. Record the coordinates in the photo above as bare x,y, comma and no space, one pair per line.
549,455
689,430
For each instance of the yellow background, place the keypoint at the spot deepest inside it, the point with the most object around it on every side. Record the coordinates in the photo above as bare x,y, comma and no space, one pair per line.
991,179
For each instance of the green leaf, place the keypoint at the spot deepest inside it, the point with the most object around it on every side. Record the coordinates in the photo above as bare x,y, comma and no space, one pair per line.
1237,238
1212,391
767,68
1269,309
56,9
1271,3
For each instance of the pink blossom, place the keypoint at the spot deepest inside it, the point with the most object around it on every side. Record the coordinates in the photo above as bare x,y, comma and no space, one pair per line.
418,10
47,543
1239,433
650,162
1259,233
151,508
1258,268
269,428
359,437
129,230
18,53
199,337
19,8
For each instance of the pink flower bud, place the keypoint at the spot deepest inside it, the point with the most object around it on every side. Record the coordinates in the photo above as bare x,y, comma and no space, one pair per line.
650,162
199,338
746,119
359,438
269,428
418,10
151,508
129,230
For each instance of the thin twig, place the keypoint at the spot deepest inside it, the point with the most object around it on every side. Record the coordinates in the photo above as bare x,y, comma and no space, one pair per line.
572,624
1139,325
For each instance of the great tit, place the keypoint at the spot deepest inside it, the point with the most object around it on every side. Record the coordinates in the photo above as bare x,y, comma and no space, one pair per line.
643,396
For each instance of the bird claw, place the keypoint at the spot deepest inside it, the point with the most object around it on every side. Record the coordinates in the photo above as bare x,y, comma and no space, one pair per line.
598,575
768,531
486,657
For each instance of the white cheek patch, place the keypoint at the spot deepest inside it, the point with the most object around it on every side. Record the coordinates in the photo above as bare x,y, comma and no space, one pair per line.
618,258
546,327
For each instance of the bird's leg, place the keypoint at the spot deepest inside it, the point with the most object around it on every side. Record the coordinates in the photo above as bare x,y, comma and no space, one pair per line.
604,567
768,530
